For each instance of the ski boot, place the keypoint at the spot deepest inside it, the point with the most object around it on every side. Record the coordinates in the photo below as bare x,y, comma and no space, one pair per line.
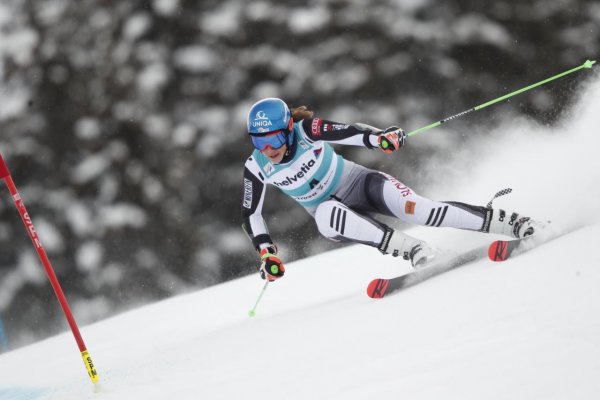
397,244
512,224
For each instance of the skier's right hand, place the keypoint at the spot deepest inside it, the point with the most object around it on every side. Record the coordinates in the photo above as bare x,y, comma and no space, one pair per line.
271,267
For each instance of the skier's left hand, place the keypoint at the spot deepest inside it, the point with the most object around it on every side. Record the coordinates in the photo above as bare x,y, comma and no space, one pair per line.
391,139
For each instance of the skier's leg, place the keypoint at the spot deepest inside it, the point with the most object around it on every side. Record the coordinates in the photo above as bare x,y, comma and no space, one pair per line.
337,222
368,191
405,204
408,206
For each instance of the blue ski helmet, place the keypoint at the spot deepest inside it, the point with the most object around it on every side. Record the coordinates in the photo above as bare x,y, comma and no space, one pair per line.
270,124
268,115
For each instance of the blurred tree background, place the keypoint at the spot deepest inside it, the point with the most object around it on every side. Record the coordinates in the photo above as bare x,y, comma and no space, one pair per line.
123,123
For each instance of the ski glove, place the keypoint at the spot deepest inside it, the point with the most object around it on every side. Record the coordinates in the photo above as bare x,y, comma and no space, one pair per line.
391,139
271,267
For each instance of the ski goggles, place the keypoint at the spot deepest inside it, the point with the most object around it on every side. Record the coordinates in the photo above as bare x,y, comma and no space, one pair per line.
274,140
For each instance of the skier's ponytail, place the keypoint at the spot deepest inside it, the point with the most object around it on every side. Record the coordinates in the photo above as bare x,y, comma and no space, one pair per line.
300,113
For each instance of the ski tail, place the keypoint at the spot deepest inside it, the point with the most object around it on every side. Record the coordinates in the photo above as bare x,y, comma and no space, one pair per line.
498,250
377,288
501,250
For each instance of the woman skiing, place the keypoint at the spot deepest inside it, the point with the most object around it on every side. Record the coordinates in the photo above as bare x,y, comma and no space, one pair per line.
293,152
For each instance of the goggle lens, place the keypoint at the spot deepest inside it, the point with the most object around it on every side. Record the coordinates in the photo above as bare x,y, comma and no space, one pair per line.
273,140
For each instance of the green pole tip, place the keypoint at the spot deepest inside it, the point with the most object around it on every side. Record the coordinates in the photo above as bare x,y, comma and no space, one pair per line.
251,313
589,63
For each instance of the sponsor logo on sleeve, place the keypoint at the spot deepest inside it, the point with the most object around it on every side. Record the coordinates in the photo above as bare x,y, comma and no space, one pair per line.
334,127
316,127
247,193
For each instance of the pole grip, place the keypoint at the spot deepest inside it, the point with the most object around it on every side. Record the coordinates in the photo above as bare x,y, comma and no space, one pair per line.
3,168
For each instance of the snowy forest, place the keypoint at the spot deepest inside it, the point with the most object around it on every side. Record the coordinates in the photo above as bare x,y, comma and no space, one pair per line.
123,124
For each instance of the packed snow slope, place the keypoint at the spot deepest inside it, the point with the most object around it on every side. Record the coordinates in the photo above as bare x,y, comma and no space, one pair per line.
525,329
528,328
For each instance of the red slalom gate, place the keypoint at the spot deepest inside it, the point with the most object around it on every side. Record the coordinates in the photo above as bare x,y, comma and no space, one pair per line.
87,359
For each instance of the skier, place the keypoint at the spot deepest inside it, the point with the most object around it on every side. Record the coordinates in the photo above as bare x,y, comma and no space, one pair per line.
293,152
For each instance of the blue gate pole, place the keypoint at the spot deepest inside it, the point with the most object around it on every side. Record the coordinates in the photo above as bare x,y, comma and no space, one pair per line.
3,338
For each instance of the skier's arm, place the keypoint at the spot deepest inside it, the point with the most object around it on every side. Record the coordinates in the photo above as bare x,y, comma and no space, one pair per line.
356,134
271,267
254,193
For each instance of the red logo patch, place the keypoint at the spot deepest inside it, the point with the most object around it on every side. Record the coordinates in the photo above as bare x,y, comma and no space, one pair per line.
316,127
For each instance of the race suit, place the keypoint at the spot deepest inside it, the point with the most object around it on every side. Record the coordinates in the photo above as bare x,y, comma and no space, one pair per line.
342,196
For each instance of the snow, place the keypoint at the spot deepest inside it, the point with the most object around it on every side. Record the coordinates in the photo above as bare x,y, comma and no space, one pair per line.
19,45
87,128
474,27
137,25
51,11
79,218
157,126
29,269
28,272
307,20
122,214
153,77
184,135
89,256
195,59
90,168
527,328
14,101
53,238
224,21
166,8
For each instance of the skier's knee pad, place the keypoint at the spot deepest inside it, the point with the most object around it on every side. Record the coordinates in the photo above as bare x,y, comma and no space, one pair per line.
326,217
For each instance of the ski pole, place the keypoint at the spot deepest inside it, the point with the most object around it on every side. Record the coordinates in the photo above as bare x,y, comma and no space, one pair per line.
252,312
587,64
37,244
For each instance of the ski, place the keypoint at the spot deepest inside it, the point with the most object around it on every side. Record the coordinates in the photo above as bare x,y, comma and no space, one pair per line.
381,287
499,250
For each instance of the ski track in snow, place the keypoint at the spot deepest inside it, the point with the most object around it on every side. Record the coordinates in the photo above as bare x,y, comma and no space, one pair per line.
524,329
